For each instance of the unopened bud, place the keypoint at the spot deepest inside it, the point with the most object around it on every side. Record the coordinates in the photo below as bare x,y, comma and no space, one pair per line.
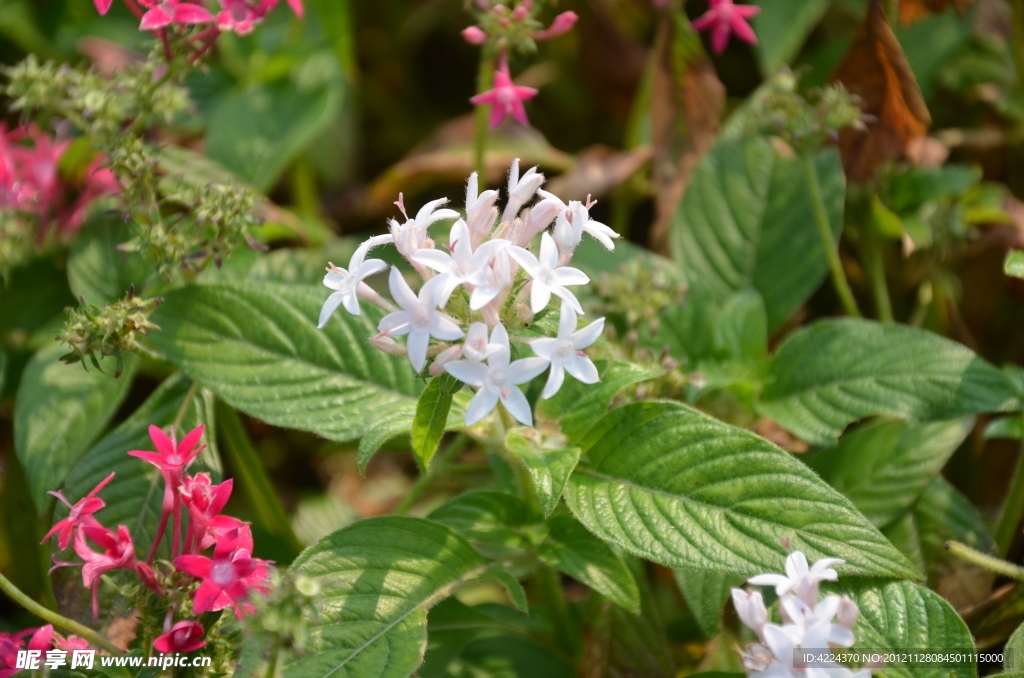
541,216
524,313
474,35
385,343
443,358
848,612
562,24
520,13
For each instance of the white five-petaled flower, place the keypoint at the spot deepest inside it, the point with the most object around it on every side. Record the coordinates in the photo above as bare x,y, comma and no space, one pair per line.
346,282
574,220
419,317
477,347
480,210
800,579
815,622
463,264
548,277
520,189
412,235
491,280
498,380
565,352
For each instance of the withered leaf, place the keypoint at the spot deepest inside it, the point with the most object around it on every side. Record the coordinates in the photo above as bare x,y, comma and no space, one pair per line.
912,11
876,70
598,170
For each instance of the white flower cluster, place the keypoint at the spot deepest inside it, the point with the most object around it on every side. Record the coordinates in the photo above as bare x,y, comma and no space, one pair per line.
808,623
483,280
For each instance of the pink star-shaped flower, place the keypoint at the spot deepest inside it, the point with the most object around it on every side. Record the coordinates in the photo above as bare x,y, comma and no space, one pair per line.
506,98
163,13
724,18
185,636
81,514
224,576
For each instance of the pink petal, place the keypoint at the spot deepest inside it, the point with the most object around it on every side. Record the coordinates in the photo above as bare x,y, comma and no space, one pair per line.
57,528
103,483
156,434
498,114
187,13
746,11
704,21
189,442
518,112
103,6
524,92
206,596
197,566
152,20
743,30
296,6
488,97
719,37
152,457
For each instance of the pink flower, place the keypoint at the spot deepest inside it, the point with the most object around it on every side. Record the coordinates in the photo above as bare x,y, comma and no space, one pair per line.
81,513
241,16
173,459
163,13
118,553
474,35
9,645
506,98
183,637
223,575
562,24
70,643
103,6
724,18
204,502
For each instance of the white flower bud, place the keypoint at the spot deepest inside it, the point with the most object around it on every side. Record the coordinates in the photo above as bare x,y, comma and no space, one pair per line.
848,612
567,233
541,216
443,358
751,610
388,345
524,313
520,190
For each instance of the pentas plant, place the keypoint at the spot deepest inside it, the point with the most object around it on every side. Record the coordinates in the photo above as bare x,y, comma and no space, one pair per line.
41,639
725,18
809,622
485,281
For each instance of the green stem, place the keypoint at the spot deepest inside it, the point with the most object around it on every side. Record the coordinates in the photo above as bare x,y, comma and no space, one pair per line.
484,76
831,248
439,466
554,598
248,468
69,625
1018,40
876,271
991,564
1013,508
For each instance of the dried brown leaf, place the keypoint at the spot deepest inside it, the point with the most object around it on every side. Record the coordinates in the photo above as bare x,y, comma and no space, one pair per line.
912,11
598,170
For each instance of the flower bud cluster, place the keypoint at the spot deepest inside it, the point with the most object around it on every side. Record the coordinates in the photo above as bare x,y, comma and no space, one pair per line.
108,330
516,27
483,283
808,621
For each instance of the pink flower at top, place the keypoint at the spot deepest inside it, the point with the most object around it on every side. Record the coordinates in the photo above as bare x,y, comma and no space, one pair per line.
173,459
185,636
241,16
724,18
81,514
506,98
224,574
163,13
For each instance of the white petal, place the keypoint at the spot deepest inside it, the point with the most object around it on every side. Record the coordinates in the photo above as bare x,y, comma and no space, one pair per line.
827,608
567,296
328,309
351,302
369,267
588,335
433,290
781,582
481,405
458,240
796,565
604,234
395,324
779,642
840,635
517,405
400,290
525,369
544,347
822,570
525,259
482,296
471,190
443,328
548,252
566,275
441,262
499,337
474,374
513,174
555,379
582,369
417,345
540,296
567,322
335,280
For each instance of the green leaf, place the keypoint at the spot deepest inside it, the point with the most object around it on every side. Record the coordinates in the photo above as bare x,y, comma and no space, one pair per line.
385,427
256,132
706,593
509,656
747,221
1014,651
577,406
1006,427
834,372
492,521
58,412
678,487
782,28
451,626
97,271
548,468
1014,264
378,578
256,346
431,419
571,549
903,615
885,466
135,494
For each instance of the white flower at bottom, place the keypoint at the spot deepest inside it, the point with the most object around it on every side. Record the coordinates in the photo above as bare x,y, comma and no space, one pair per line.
498,380
548,277
346,282
565,353
419,317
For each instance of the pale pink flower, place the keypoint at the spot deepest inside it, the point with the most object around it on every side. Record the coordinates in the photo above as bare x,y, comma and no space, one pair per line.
506,98
724,18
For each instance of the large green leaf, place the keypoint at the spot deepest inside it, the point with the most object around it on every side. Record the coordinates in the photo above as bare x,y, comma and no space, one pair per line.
885,466
97,270
256,346
378,578
58,412
431,419
747,221
683,489
256,132
548,467
1014,264
904,616
706,593
834,372
1014,651
782,27
492,521
571,549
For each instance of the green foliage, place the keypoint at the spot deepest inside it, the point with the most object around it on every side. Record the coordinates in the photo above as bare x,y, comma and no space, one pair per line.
782,27
834,372
431,418
1014,264
548,467
97,271
683,489
706,593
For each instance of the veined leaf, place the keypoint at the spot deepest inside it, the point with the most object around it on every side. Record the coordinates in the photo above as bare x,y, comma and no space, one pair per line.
431,419
683,489
549,469
747,221
97,270
256,346
385,427
834,372
571,549
576,407
706,593
378,577
58,412
1014,651
884,467
906,615
1014,264
492,521
782,27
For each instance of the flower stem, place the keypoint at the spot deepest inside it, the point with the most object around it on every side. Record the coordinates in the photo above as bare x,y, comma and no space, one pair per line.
69,625
439,466
829,242
483,83
876,271
997,565
554,596
1013,508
